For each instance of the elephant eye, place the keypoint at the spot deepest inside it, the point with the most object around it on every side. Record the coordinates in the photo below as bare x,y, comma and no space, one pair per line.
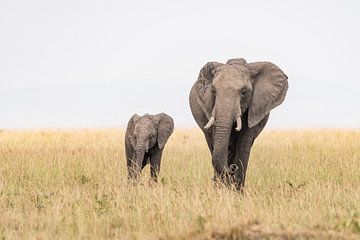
243,92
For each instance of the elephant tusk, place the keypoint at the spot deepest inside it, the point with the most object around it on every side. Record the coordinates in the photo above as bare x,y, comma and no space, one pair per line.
238,123
210,123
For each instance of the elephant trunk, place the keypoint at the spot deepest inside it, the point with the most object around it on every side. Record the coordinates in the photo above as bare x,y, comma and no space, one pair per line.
225,116
138,158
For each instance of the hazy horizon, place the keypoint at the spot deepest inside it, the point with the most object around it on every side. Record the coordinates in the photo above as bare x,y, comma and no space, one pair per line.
95,63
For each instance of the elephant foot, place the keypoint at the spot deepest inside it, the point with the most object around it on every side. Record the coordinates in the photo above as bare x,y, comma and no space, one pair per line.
231,179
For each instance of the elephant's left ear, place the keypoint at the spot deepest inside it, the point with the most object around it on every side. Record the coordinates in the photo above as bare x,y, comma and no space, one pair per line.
270,87
165,128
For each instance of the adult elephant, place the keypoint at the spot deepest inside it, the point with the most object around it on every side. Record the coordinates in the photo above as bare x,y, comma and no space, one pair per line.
231,104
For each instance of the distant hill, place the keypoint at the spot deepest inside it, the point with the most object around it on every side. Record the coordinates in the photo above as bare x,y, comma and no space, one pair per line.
308,104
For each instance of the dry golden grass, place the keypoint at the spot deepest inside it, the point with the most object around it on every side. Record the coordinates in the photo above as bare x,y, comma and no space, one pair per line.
73,185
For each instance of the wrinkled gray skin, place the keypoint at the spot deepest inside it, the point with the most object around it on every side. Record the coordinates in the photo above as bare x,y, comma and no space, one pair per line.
145,139
231,104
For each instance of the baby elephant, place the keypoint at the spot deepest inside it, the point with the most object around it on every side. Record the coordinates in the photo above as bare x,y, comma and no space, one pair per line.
144,142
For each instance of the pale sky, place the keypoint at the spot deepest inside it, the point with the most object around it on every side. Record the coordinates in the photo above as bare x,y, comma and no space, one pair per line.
95,63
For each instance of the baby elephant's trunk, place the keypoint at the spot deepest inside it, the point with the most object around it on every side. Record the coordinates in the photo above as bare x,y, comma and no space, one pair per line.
137,160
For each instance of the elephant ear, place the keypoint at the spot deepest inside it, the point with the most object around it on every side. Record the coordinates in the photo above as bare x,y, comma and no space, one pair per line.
131,127
165,128
203,87
270,87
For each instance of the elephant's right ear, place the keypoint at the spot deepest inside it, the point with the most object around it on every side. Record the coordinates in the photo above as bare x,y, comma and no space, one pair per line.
203,87
131,127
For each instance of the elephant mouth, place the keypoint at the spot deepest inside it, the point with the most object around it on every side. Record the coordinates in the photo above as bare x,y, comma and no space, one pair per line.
238,121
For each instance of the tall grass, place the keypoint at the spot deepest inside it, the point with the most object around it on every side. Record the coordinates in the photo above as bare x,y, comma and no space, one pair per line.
73,185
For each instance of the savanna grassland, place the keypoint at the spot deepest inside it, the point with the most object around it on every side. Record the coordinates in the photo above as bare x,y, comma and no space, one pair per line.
73,185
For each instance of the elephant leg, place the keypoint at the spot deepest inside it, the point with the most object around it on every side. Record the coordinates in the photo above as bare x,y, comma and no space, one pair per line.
129,160
244,143
242,157
232,147
129,153
131,165
155,161
145,161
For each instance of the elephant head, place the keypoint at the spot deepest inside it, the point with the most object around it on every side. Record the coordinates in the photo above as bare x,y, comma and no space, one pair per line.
226,91
145,132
